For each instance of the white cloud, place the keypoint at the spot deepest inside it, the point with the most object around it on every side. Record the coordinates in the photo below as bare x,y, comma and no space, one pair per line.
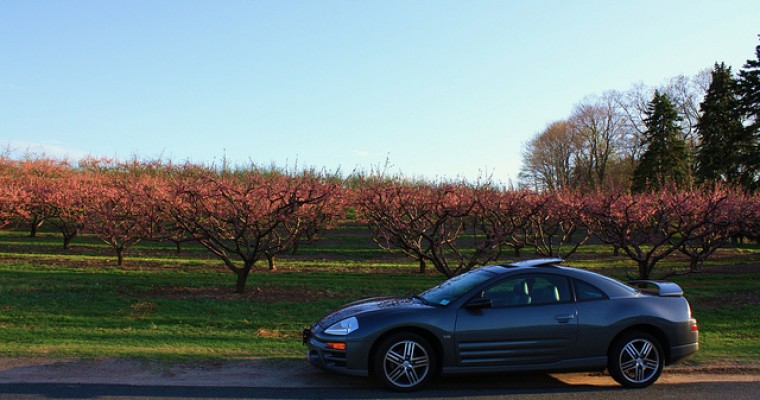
361,153
51,149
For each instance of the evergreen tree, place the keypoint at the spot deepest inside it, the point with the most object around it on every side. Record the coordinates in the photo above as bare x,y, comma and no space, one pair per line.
666,158
723,143
749,99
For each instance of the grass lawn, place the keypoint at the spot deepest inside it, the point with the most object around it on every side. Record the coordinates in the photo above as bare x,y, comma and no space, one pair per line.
162,305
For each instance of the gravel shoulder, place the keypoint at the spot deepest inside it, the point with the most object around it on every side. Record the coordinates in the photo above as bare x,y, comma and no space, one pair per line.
289,374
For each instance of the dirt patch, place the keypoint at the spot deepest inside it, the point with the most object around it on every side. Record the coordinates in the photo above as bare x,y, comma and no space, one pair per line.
142,308
732,300
276,333
734,268
267,294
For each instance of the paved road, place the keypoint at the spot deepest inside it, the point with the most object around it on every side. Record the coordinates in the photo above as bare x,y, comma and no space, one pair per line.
111,379
531,387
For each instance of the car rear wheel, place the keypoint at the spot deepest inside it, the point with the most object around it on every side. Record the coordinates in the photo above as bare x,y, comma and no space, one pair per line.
636,360
405,362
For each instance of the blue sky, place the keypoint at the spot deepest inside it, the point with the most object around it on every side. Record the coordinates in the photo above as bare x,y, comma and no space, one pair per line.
438,88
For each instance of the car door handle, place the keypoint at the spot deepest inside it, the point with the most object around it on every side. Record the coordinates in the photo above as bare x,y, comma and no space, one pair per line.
564,318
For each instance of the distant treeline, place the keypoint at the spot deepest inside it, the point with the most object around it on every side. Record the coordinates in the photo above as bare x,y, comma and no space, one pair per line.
704,128
247,215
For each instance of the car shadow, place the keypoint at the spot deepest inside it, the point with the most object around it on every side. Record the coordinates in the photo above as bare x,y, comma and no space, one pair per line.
352,388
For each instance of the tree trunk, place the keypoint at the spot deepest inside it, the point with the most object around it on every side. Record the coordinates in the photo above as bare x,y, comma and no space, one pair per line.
295,248
695,264
270,262
36,224
446,271
242,278
423,266
517,251
119,256
643,269
67,238
179,247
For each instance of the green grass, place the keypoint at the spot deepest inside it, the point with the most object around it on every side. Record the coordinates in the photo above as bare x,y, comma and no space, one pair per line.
727,308
165,306
89,312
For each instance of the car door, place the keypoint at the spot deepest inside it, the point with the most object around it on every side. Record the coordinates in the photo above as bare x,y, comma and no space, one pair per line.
532,320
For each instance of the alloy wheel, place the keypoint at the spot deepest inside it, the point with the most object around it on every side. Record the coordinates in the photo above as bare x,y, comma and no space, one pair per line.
406,364
636,360
639,360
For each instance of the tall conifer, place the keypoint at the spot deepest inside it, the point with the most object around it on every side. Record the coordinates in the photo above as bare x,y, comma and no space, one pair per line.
723,143
749,100
666,158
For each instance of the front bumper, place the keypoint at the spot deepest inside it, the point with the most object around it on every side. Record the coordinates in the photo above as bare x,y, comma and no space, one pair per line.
329,359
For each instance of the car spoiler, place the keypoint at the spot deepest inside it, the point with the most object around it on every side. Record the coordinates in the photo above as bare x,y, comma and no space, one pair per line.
660,288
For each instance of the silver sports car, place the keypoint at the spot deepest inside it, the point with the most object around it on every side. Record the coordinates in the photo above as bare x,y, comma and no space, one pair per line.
526,316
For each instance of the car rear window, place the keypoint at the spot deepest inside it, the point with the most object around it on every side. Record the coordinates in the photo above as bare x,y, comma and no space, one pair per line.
588,292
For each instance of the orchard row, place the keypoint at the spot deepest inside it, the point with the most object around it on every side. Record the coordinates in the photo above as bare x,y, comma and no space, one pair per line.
248,215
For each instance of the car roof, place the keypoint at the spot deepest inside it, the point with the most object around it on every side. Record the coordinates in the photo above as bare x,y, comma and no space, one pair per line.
540,262
523,265
610,286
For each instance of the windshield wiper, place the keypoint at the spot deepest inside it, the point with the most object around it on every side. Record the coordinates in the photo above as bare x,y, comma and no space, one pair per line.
424,300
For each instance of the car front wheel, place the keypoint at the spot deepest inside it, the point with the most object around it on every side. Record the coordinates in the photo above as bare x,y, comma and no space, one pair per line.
636,360
404,362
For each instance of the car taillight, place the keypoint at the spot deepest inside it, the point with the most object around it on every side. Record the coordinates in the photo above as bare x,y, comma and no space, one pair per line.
694,327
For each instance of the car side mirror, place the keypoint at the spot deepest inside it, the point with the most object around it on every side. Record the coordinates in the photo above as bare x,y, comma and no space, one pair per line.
479,302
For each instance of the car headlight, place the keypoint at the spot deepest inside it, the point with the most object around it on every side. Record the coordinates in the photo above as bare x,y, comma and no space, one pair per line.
343,327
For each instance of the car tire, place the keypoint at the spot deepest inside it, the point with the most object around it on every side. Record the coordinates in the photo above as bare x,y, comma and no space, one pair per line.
636,360
405,362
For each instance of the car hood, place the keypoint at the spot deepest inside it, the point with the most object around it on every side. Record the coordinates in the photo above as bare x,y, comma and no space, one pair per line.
367,305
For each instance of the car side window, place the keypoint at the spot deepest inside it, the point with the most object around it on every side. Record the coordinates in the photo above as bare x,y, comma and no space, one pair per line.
533,289
587,292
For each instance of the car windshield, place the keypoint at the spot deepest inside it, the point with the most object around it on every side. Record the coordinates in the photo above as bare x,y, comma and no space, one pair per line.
450,290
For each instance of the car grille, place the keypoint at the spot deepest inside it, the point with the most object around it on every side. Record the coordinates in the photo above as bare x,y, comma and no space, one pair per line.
338,358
